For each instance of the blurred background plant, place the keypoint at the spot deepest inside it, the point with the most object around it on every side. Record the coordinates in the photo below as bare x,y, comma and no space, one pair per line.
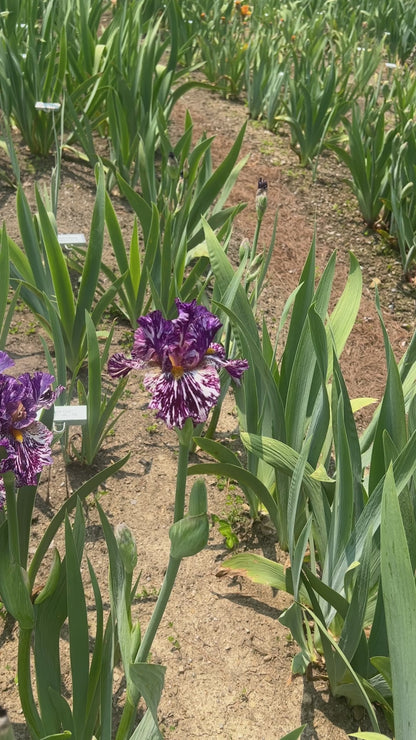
308,72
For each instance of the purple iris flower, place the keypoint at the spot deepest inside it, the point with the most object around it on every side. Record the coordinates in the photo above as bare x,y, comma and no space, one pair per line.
26,440
181,363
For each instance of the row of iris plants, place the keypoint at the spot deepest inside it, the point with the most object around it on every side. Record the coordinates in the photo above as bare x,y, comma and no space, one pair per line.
342,503
176,349
333,76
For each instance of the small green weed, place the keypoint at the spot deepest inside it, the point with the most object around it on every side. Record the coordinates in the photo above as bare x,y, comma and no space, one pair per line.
231,518
16,329
174,639
32,328
147,595
224,483
225,528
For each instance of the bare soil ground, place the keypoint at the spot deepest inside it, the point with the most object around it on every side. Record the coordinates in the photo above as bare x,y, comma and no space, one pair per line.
228,658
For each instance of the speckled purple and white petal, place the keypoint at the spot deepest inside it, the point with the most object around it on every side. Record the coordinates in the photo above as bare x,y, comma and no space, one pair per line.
151,338
27,457
119,365
191,396
39,389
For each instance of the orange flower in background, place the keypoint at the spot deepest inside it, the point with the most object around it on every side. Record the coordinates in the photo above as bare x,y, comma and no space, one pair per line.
203,16
244,9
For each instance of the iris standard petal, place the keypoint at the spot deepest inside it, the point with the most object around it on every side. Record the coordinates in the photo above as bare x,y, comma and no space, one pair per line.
151,338
196,318
194,329
39,388
190,396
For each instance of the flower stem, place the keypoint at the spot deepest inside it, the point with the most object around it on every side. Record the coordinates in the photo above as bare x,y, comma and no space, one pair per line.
174,563
129,711
181,480
163,598
213,422
256,237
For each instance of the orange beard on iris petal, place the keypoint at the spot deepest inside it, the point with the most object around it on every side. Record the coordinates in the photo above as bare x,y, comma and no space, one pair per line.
18,415
176,370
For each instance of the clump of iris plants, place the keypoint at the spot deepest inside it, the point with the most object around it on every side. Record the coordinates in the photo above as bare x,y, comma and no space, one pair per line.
181,363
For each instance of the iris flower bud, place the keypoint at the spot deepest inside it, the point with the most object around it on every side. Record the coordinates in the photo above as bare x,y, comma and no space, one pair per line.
173,166
261,197
244,250
126,546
